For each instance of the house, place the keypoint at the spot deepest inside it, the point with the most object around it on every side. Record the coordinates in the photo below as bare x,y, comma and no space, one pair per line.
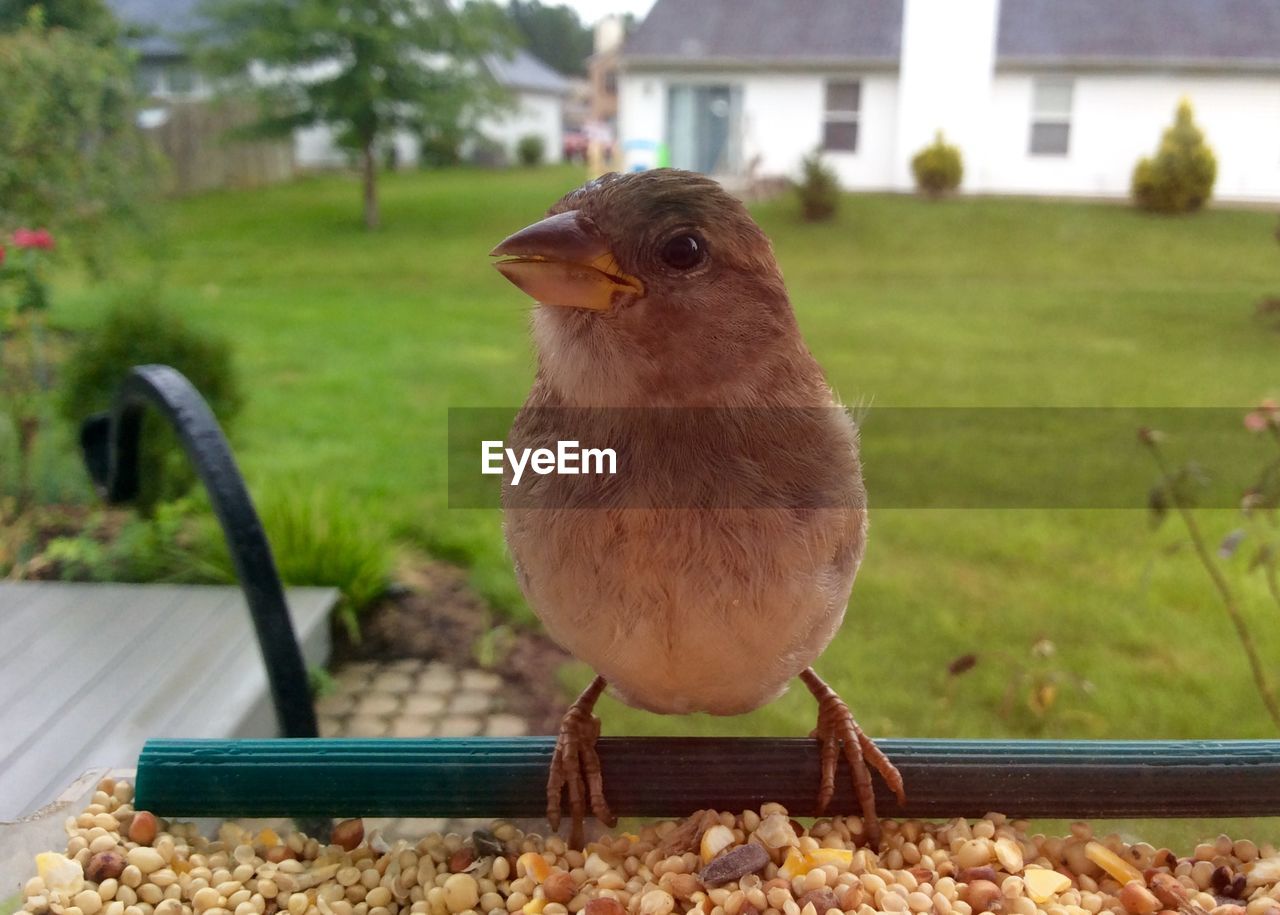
537,94
1057,97
165,77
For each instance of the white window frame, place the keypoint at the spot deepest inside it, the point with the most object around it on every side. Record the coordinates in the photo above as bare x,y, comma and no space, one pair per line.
1050,116
841,116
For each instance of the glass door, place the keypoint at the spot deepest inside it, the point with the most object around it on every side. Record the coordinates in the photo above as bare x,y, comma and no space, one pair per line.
703,128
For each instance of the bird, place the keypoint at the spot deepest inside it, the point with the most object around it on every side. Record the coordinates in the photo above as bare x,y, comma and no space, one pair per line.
716,564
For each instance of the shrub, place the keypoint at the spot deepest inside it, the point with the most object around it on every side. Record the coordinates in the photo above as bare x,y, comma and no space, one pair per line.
138,331
938,167
440,148
121,546
1179,178
531,149
71,155
819,189
321,537
487,152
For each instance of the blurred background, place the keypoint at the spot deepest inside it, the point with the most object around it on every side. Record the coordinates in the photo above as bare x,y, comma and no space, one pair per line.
991,204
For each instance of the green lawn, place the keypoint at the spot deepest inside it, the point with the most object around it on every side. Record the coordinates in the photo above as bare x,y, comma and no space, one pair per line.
353,345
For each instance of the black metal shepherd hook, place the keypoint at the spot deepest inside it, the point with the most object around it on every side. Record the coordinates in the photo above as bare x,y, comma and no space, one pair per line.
110,442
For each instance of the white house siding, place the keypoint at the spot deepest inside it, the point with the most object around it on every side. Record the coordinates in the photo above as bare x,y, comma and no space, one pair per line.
1118,118
535,113
948,55
781,118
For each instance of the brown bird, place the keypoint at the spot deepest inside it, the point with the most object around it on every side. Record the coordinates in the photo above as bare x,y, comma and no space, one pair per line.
716,564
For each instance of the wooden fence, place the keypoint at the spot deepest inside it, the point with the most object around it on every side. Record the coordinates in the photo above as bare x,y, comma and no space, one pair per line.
203,154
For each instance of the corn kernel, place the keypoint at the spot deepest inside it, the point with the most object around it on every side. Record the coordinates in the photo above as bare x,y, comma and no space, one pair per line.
533,865
534,906
1043,884
840,857
794,865
1112,863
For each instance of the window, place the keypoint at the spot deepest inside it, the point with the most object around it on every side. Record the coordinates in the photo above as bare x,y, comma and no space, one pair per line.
840,122
180,79
1051,117
148,78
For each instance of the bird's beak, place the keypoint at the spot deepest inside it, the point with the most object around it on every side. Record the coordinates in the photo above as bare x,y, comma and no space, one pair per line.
564,260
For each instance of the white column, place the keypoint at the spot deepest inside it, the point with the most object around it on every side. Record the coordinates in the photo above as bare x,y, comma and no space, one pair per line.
945,77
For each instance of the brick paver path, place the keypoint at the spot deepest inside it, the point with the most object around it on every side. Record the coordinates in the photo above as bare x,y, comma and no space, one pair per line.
413,698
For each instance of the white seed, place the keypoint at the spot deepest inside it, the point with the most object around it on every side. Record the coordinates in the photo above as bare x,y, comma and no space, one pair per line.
381,896
657,902
974,853
892,902
461,892
147,860
163,878
919,902
1009,854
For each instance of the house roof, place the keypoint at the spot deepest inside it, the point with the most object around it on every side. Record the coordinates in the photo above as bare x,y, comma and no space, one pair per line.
1232,33
768,31
1038,33
522,71
162,23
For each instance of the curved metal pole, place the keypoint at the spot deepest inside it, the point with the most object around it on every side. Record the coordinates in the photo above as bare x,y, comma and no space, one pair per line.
110,444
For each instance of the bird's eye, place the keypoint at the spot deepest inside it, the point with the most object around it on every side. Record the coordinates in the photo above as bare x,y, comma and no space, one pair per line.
684,252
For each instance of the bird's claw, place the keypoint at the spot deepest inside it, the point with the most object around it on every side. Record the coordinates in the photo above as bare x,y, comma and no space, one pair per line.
839,734
575,757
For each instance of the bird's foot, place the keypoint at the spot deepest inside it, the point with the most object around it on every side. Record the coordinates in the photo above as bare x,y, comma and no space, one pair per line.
576,765
837,732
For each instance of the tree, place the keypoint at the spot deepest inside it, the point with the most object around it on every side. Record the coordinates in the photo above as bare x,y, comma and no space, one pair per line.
71,155
91,17
367,68
1179,179
553,34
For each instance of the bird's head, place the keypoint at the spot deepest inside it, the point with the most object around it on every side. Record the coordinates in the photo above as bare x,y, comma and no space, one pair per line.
655,288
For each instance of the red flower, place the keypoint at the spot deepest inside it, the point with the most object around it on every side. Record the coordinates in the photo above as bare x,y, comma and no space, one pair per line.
33,238
1,255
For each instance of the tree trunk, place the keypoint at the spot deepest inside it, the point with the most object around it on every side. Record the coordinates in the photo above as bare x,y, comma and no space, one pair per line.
369,167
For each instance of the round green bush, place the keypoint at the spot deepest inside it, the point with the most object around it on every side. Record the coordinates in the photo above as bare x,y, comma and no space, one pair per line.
138,331
531,149
938,168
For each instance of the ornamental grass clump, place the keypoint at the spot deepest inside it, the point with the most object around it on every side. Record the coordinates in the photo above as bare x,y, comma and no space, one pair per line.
818,189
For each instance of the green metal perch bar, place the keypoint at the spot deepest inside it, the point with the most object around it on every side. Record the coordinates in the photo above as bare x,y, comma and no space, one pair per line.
662,777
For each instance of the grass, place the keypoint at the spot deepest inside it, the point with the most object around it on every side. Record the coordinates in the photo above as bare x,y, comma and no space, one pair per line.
352,346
